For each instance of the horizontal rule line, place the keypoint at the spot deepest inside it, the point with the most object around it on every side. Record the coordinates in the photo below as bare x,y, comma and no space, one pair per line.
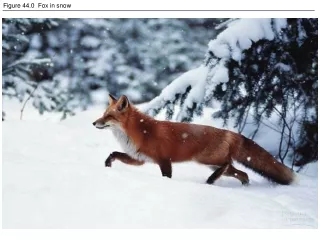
153,10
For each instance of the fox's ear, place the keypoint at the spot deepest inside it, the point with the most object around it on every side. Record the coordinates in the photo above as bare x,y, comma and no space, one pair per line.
112,99
123,103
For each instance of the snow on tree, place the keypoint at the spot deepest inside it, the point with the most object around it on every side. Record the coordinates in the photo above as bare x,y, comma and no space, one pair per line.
23,72
136,57
144,54
256,67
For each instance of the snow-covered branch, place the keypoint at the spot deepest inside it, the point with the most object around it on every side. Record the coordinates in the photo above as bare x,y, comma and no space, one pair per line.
229,44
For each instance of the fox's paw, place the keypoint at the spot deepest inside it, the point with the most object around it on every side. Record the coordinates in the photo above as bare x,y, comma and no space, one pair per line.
108,162
245,183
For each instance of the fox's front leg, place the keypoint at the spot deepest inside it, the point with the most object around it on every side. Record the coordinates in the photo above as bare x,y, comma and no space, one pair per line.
166,168
123,157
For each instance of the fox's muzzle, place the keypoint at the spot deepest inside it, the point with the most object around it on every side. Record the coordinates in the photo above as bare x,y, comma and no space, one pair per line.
99,125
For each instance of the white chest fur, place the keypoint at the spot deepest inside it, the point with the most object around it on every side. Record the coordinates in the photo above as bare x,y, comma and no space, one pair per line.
128,146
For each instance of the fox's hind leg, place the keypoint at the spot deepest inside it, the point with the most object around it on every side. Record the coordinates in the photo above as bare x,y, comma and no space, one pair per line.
230,171
218,173
241,176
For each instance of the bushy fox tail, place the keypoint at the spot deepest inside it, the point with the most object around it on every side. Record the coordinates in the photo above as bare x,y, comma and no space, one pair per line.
251,155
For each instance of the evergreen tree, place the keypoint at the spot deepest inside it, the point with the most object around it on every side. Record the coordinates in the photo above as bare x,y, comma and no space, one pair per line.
136,57
278,77
23,72
257,68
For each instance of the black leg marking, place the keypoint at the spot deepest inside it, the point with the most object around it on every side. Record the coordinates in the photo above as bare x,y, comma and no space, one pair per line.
166,168
216,174
109,160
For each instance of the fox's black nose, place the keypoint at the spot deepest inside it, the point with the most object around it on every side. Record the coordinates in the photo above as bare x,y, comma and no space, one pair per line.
94,123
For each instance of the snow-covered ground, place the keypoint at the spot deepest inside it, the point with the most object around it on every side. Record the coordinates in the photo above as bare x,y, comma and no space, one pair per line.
54,177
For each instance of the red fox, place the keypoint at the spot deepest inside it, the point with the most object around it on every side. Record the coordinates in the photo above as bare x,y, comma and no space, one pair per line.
146,139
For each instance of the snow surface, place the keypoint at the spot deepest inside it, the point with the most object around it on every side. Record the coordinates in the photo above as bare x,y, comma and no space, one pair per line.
54,177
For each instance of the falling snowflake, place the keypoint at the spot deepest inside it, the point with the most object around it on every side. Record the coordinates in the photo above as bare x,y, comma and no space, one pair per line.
184,135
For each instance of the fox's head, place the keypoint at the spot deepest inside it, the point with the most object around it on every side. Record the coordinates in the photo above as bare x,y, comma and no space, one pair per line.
115,114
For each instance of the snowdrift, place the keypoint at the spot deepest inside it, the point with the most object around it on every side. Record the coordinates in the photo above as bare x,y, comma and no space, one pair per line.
54,177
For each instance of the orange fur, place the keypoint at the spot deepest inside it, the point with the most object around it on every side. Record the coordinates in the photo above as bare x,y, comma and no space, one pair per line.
168,142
